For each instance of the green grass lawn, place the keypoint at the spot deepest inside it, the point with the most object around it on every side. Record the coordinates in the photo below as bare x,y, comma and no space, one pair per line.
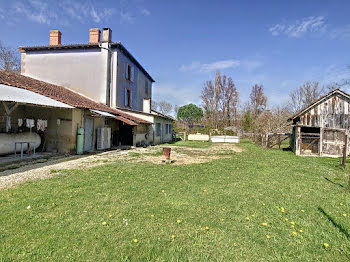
259,205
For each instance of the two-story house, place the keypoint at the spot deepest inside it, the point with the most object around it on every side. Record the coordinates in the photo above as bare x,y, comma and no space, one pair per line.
104,71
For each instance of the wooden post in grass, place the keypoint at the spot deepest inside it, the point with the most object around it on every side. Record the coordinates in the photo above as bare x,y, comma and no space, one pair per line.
279,141
345,151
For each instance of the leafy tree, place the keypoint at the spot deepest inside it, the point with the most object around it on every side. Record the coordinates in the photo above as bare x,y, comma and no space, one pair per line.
190,113
247,121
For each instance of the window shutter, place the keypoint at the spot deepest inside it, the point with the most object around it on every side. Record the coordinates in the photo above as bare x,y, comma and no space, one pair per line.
126,71
125,97
132,74
130,99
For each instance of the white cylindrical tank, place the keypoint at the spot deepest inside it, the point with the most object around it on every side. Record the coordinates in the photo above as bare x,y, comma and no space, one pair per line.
7,142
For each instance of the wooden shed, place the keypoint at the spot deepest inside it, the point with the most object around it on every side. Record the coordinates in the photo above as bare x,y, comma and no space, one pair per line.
321,128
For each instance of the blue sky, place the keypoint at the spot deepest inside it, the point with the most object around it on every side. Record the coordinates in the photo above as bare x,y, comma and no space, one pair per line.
279,44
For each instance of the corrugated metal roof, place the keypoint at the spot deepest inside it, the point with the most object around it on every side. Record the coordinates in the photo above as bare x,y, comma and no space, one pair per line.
19,95
102,113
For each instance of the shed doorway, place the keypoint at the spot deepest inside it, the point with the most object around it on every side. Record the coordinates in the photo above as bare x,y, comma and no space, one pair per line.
310,140
126,134
89,131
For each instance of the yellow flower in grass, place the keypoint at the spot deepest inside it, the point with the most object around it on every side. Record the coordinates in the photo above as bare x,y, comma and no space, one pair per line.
247,218
344,214
206,228
340,204
253,215
163,190
264,204
301,231
294,233
302,210
104,223
325,244
135,240
283,210
178,221
292,226
264,224
234,244
268,237
286,219
152,215
172,236
292,223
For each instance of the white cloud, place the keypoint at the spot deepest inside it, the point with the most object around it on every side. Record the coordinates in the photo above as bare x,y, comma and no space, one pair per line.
53,13
145,11
2,14
184,94
126,16
308,25
36,11
193,66
340,32
218,65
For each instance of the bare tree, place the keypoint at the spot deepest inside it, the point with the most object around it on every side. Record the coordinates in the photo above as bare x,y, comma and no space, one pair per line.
176,109
273,120
305,95
165,107
258,100
154,105
9,60
220,101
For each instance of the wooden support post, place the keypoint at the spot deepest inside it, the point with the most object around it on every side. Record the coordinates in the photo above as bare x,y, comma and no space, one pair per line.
345,151
279,141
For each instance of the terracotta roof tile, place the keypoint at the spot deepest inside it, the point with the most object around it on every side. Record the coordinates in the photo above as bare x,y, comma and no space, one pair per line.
60,93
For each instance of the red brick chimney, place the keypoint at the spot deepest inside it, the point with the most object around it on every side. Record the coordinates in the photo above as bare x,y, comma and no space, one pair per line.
55,37
94,35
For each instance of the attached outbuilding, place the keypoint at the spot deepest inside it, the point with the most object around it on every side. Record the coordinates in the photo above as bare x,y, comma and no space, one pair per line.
322,128
50,117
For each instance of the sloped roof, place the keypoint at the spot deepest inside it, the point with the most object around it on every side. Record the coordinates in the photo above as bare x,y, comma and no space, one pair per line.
20,95
318,101
87,46
60,93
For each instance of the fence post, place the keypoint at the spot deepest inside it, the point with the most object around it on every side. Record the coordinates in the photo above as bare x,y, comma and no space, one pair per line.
344,151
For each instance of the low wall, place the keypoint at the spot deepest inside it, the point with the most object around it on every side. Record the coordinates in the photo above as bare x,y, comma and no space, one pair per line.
198,137
225,139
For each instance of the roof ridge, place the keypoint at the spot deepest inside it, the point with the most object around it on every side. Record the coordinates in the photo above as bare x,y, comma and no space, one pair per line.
336,90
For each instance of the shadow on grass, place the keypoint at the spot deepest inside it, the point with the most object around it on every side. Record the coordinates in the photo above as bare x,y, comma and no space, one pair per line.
335,224
334,183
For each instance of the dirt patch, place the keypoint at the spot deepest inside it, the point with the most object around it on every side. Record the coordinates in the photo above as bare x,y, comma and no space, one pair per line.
187,155
181,156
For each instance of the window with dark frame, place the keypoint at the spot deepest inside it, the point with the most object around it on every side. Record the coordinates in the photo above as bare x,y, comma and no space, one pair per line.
128,94
158,129
129,73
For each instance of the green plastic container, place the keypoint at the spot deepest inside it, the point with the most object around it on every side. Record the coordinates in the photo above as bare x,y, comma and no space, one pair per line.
80,141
